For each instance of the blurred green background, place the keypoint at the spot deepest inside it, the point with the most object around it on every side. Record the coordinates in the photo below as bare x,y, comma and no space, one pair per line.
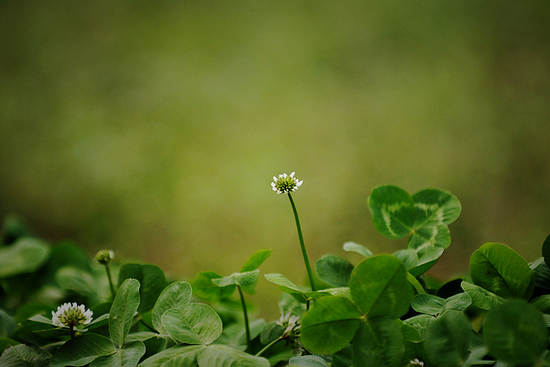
155,127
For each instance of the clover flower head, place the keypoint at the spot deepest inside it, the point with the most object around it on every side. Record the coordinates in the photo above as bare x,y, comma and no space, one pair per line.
285,183
104,256
291,333
70,315
290,323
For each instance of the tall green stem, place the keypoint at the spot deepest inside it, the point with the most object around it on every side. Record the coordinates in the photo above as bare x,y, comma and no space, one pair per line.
269,346
245,314
113,293
302,245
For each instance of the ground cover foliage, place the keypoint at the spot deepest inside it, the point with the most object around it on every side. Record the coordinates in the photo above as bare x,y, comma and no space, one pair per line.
383,311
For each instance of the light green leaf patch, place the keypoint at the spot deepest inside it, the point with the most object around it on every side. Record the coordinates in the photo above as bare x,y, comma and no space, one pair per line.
420,260
152,282
204,356
180,355
7,324
25,356
334,270
481,297
174,295
428,304
123,310
26,255
424,216
351,246
234,335
448,340
393,211
204,286
301,294
433,207
420,323
378,343
256,260
307,361
541,273
379,287
211,286
330,325
77,280
193,323
223,356
516,333
82,350
432,305
438,235
501,270
286,286
247,281
410,333
128,356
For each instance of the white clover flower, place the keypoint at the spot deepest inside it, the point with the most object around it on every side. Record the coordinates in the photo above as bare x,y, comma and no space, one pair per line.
70,315
290,323
285,183
291,334
416,362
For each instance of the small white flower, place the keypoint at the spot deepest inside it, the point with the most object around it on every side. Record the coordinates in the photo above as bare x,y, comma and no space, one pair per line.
291,333
285,183
70,315
416,362
290,323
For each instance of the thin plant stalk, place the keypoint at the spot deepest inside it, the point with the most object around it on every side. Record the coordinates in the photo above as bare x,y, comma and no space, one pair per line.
104,257
113,293
302,244
245,315
269,346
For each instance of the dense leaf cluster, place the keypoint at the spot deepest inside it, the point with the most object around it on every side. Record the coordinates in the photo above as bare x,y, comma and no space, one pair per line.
383,311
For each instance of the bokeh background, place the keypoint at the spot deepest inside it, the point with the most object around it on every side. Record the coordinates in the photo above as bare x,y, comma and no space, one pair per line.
154,127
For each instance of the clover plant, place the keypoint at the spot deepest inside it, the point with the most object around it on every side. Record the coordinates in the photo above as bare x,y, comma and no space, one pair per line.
285,184
58,307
